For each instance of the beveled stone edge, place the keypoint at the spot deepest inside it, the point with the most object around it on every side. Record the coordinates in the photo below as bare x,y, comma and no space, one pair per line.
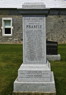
44,66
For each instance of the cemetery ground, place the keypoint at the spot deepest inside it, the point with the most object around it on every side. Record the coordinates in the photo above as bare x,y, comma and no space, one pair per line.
11,59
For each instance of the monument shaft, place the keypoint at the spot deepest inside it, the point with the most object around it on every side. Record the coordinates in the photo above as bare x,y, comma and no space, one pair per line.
34,39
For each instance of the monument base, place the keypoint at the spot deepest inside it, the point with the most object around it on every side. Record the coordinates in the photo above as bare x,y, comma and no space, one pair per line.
35,78
35,86
32,93
54,57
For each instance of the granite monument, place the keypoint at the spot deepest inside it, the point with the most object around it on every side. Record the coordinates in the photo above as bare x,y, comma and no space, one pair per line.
34,75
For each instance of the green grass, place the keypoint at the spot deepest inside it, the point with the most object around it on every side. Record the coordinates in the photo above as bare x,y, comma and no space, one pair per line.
59,68
11,59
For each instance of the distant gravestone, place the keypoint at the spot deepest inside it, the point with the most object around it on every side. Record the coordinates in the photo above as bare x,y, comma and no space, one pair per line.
35,74
52,48
52,51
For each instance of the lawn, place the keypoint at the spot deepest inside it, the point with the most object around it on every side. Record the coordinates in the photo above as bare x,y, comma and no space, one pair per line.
11,59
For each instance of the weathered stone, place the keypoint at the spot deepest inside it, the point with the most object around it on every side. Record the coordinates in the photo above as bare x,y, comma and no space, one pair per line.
17,29
55,29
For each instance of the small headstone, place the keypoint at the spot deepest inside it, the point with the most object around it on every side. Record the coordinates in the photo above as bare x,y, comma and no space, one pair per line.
52,51
52,48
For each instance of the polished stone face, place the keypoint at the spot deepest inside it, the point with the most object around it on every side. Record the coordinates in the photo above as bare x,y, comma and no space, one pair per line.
34,39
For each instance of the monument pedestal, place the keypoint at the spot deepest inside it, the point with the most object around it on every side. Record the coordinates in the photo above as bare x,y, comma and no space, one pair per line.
35,78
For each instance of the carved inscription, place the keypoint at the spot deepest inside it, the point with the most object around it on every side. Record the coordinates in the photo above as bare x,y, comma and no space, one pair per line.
34,31
35,74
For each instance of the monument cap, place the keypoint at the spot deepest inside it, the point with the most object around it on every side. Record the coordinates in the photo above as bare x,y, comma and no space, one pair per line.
33,5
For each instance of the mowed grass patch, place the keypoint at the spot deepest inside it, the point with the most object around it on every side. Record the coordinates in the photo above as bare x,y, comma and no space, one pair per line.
59,69
10,60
